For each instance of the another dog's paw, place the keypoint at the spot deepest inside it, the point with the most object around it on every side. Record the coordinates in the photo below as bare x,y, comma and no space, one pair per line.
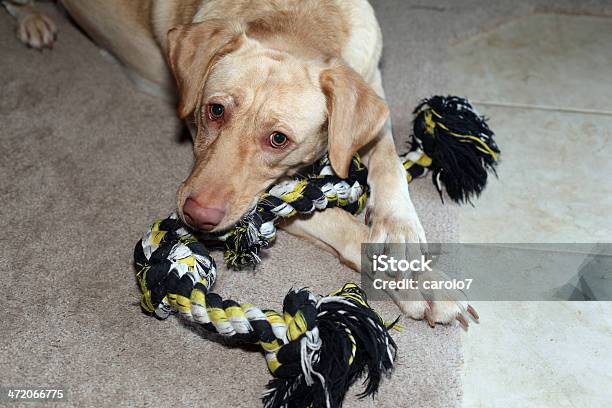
36,30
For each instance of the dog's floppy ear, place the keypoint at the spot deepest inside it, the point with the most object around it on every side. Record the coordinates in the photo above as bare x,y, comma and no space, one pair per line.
355,114
192,50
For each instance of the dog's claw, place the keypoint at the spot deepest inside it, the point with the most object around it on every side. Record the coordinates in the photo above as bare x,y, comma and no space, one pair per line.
463,321
429,318
473,312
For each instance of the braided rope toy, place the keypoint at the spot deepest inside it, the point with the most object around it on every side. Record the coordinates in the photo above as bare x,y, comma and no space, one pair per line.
319,347
315,350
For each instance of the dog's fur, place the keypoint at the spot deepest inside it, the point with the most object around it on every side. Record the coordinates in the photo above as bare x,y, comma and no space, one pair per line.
307,68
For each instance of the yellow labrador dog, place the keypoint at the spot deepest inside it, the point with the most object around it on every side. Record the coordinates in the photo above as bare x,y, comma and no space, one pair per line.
266,86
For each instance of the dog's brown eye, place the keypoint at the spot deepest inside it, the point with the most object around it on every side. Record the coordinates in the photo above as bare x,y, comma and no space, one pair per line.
278,140
215,111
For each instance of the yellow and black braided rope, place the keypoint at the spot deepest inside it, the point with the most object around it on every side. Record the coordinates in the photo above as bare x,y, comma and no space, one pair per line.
315,349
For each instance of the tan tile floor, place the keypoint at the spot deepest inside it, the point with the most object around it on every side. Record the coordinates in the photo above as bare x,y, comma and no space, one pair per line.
546,83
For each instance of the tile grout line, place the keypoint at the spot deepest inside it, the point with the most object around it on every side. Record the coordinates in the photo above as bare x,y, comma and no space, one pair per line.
541,107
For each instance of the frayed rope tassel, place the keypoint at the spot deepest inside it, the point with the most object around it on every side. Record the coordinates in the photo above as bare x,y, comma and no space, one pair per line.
453,141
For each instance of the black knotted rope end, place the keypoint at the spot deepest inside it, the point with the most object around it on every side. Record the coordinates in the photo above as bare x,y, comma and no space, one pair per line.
453,141
351,342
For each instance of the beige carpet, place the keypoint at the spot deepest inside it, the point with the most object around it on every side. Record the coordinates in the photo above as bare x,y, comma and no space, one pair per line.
87,162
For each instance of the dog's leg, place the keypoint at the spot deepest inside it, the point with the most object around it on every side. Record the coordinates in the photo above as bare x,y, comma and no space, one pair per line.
335,230
392,216
340,233
393,219
34,27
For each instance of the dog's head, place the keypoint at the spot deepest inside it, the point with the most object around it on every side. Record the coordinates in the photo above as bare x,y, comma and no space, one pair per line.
259,113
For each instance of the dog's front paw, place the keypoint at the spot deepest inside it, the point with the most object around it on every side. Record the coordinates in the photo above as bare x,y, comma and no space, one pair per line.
440,306
439,311
36,30
399,224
